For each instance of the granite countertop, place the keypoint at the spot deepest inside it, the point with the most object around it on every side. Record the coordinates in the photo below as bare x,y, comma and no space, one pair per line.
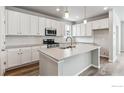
61,54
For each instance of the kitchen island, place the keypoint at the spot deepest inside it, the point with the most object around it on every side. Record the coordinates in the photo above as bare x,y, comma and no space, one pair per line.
68,62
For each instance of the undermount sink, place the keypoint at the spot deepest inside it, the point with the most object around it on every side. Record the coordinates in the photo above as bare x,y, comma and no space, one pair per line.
67,47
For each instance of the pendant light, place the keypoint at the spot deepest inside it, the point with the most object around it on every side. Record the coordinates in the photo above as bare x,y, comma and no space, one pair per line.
85,20
66,13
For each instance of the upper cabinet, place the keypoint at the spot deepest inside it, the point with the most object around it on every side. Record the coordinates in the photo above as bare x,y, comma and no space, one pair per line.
13,22
24,24
34,25
82,29
42,26
48,23
86,29
101,24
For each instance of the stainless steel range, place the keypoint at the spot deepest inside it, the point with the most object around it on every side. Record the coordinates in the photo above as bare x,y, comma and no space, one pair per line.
50,43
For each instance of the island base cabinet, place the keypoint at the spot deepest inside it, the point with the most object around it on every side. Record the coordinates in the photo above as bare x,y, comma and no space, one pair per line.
48,66
72,66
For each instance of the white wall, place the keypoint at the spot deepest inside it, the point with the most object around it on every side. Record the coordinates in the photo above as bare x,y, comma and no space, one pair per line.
122,36
101,38
13,41
84,39
114,21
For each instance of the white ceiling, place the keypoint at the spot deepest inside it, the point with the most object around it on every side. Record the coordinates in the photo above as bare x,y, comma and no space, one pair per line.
73,11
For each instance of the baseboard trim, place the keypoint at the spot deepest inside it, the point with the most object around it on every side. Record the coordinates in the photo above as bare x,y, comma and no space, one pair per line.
95,66
83,70
91,65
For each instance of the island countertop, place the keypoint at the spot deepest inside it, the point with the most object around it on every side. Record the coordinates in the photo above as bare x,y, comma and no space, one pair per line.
61,54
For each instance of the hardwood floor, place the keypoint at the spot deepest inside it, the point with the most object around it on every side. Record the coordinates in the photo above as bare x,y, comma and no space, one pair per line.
29,70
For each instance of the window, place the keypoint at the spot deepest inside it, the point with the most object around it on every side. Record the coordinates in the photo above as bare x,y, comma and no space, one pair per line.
67,30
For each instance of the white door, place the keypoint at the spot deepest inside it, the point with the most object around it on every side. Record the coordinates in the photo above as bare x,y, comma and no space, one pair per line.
3,62
42,26
35,53
13,58
34,25
83,28
24,24
89,29
26,55
13,24
2,28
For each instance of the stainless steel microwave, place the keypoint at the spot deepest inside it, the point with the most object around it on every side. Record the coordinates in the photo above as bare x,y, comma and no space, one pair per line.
50,32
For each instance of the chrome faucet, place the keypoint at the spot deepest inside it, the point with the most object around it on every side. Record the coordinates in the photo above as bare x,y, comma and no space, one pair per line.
68,38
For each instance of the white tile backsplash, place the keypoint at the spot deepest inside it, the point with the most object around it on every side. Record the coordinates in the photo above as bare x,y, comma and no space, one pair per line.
11,41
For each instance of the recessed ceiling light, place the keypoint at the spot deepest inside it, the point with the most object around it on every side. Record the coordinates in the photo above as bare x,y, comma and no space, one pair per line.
77,16
105,8
57,9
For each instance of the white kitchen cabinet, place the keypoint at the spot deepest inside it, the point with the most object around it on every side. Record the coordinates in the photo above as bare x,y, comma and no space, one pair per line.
34,53
104,23
18,56
48,23
13,22
34,25
42,26
62,28
74,29
83,28
25,55
88,29
24,24
54,24
13,58
101,24
78,30
59,30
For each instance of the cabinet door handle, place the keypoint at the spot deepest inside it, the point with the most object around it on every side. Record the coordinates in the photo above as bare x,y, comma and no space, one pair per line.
4,63
3,50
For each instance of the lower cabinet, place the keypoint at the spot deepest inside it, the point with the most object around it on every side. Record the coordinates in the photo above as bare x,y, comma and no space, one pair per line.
25,55
35,54
13,57
19,56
